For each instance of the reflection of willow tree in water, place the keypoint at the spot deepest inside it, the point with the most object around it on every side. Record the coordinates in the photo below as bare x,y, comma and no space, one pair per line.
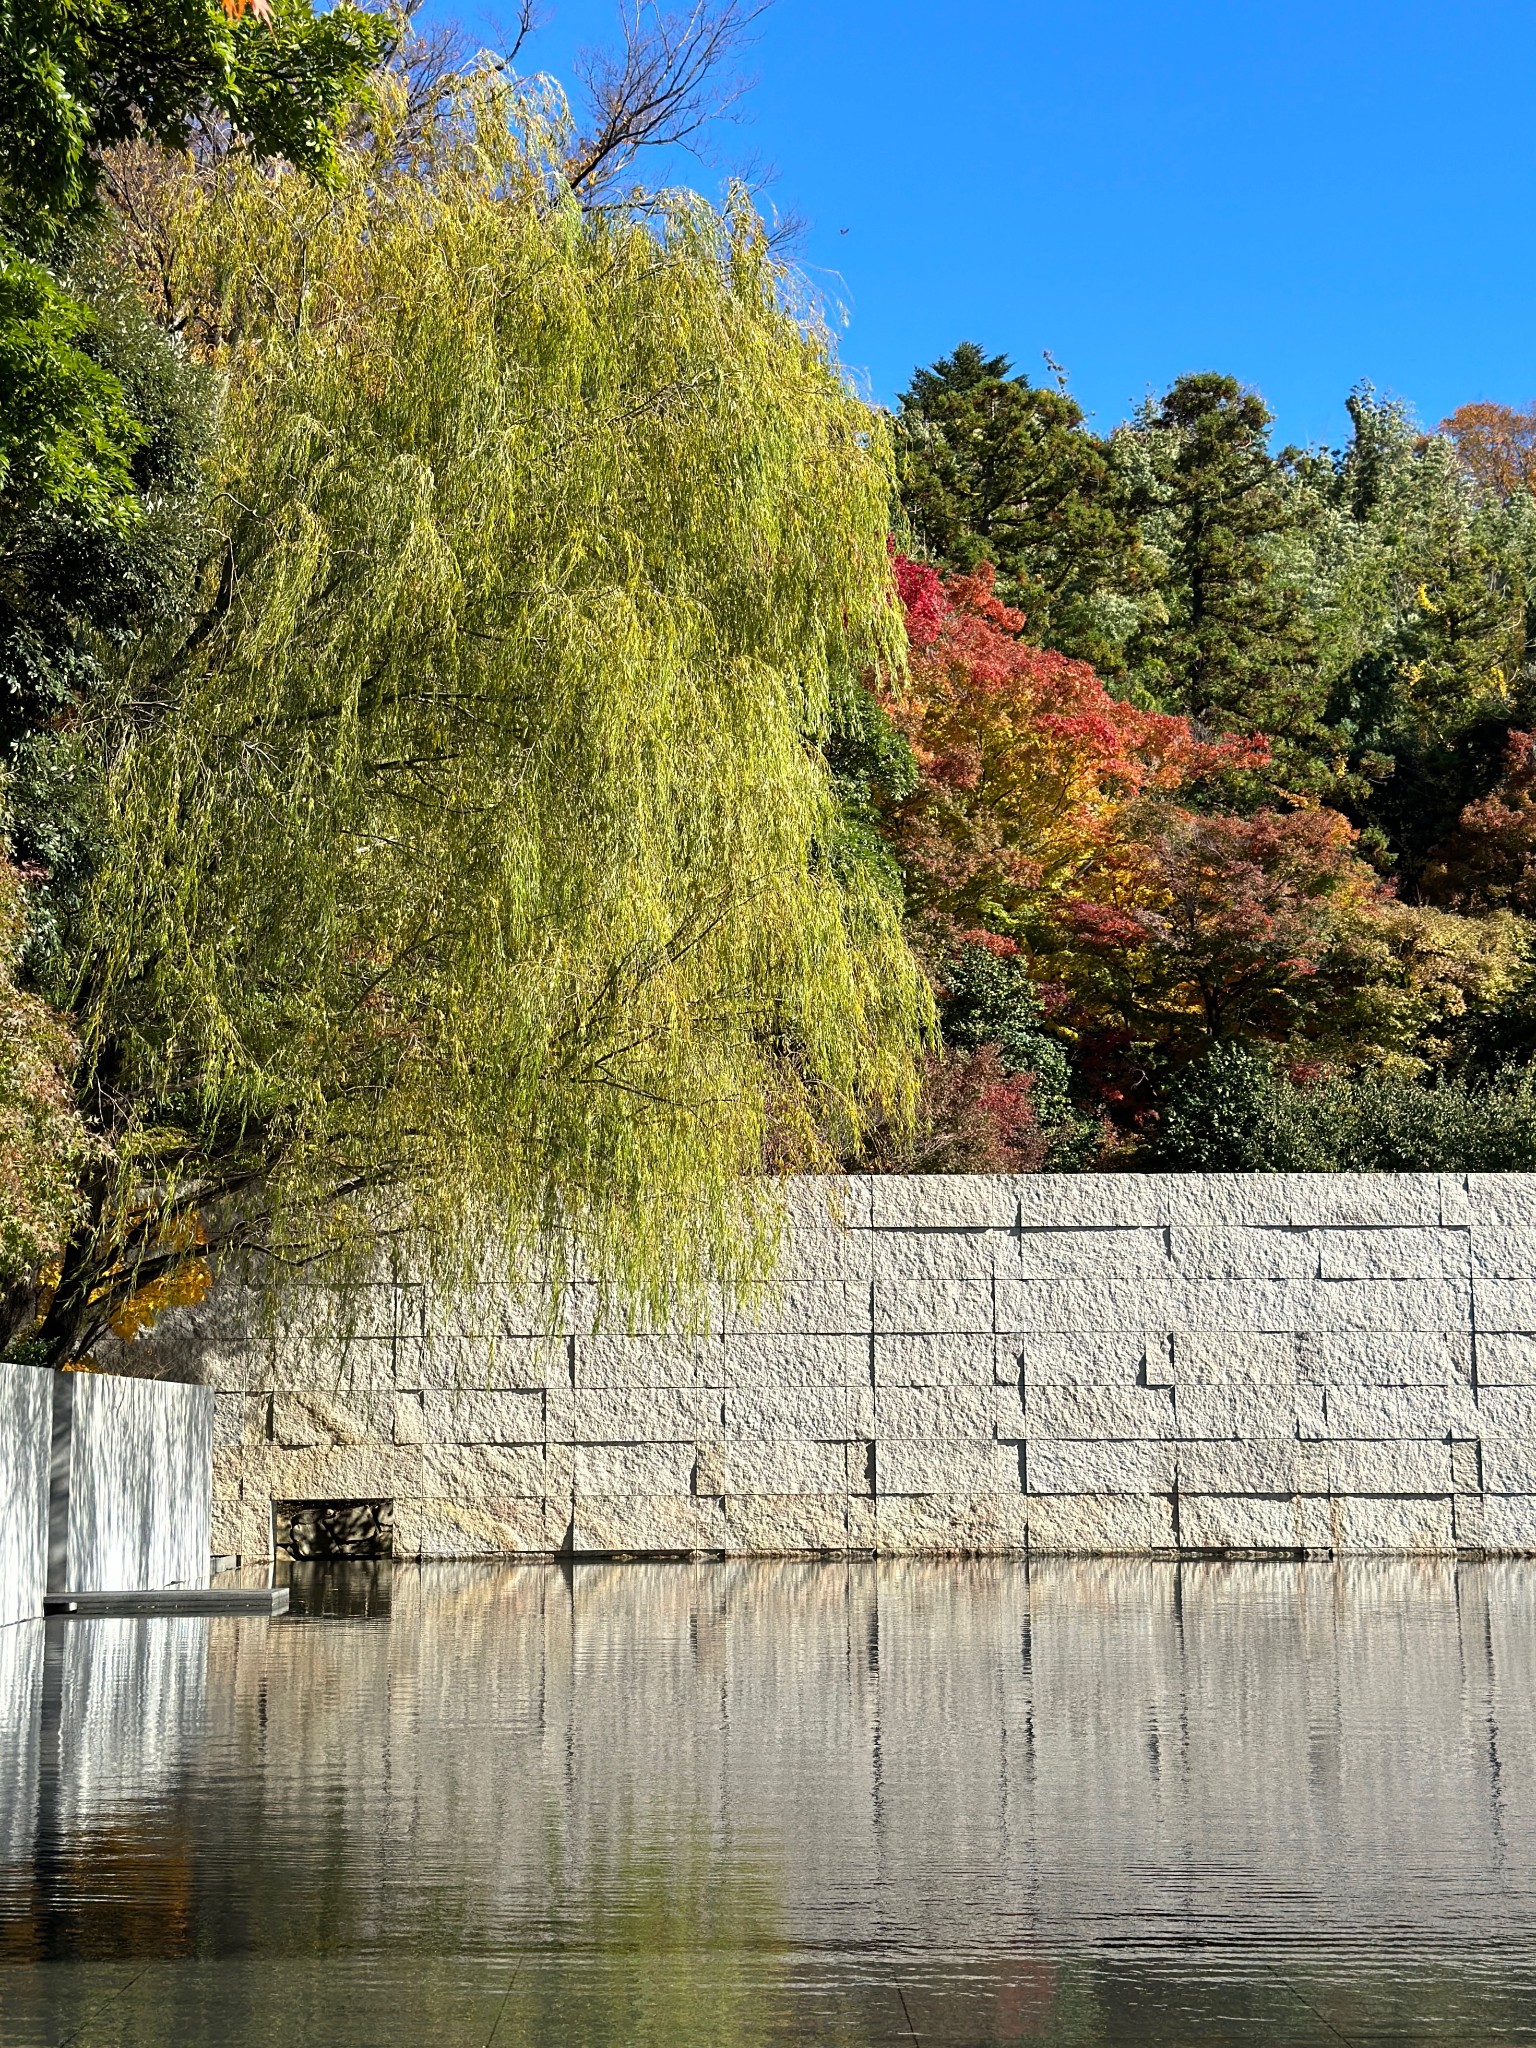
666,1934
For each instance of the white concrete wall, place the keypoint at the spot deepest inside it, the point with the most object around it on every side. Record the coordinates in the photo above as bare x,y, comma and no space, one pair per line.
25,1395
1114,1363
131,1500
105,1485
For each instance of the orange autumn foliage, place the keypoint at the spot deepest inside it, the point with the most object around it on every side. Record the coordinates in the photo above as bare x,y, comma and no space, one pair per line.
1031,772
1497,445
1087,830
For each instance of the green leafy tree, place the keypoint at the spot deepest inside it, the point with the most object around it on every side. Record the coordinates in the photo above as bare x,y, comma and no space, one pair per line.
124,421
76,79
1233,643
103,422
1423,585
67,438
990,998
993,468
477,875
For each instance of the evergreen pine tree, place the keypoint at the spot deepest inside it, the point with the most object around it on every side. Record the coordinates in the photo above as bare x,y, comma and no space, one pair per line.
1235,647
993,469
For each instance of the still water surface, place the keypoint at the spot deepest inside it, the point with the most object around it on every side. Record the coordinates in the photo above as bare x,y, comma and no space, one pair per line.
1085,1804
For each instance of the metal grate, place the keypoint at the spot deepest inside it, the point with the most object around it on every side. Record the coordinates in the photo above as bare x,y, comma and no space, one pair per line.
307,1529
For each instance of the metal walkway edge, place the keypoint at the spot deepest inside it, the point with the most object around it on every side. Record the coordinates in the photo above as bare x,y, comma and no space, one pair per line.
172,1600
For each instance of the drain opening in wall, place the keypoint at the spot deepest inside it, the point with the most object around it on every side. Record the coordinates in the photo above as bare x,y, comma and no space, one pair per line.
307,1529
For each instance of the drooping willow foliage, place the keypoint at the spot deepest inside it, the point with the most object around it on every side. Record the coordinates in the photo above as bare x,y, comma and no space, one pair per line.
475,865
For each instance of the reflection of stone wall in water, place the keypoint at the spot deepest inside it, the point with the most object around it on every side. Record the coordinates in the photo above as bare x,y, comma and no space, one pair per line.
684,1790
1294,1363
969,1750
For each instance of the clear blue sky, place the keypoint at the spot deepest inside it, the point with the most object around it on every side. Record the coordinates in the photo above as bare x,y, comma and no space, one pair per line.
1301,194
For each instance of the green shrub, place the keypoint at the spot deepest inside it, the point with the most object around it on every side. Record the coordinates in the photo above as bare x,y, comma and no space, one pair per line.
1234,1112
989,998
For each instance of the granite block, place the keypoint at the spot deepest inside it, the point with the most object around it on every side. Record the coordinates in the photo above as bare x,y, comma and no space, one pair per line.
1239,1522
784,1524
1088,1253
901,1256
1392,1253
1098,1468
1264,1466
656,1522
936,1361
934,1411
783,1364
1101,1525
1120,1357
790,1466
818,1414
482,1418
647,1362
804,1308
980,1526
1401,1412
1509,1524
1082,1408
1385,1526
1242,1252
922,1306
616,1415
955,1468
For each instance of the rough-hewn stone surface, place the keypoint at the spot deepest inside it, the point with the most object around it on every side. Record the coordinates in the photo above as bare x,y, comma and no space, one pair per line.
1201,1363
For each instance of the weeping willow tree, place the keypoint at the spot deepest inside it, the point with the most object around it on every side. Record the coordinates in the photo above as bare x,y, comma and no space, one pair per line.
475,873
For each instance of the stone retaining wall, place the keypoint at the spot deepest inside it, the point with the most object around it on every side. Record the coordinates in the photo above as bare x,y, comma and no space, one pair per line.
1203,1363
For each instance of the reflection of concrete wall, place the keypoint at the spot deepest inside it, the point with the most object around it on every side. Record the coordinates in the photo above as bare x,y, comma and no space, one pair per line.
1320,1364
133,1482
128,1699
24,1429
21,1673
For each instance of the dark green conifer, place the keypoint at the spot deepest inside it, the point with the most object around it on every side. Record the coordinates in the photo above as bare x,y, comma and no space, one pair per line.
995,469
1234,646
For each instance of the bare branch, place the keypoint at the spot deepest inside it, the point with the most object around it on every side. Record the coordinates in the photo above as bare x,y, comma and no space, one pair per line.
670,79
527,22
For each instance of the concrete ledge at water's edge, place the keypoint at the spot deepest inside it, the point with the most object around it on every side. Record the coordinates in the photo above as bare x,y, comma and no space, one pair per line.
1146,1365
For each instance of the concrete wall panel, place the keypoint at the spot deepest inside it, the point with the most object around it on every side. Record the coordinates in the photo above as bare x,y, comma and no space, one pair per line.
25,1429
139,1484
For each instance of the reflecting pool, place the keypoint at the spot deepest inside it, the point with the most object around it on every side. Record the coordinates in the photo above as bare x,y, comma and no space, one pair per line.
1085,1804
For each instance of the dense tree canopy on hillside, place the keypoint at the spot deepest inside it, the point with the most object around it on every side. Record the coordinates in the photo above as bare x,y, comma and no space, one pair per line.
994,469
497,740
1291,812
